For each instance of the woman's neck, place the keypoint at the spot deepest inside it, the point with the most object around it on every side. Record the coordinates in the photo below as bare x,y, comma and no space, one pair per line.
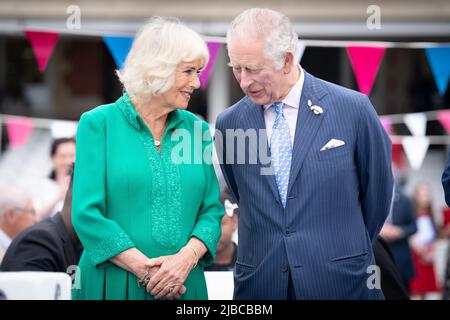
153,113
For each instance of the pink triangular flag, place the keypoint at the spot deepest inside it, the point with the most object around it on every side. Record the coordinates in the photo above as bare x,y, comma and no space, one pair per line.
444,119
42,44
365,62
19,130
213,48
387,124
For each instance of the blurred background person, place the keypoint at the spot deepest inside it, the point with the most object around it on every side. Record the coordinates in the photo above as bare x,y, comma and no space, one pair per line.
16,214
422,245
53,189
391,282
444,233
400,225
50,245
445,227
226,249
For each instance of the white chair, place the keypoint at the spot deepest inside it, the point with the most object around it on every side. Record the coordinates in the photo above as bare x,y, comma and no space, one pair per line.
35,286
220,285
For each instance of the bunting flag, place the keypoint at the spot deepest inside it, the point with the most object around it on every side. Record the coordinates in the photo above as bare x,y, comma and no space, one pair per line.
387,124
415,149
300,51
19,130
444,119
119,46
416,123
213,48
439,60
42,44
365,63
63,129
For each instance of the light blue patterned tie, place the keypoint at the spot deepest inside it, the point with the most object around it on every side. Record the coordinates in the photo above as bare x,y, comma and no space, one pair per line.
281,151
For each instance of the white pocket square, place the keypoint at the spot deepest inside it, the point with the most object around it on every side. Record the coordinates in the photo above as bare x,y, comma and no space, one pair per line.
333,143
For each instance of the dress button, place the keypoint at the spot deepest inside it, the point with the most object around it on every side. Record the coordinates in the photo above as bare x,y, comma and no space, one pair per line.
284,268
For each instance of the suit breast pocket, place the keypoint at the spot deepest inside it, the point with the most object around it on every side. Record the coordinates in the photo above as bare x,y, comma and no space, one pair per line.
334,153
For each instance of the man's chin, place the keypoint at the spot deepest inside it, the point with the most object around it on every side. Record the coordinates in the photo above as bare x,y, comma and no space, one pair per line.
259,101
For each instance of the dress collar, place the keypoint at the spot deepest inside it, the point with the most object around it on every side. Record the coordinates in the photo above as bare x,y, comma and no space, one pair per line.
136,121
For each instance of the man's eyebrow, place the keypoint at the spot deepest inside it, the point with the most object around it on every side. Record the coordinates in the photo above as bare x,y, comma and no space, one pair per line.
243,67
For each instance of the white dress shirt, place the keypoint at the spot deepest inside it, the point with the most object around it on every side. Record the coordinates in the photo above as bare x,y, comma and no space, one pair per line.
290,108
5,241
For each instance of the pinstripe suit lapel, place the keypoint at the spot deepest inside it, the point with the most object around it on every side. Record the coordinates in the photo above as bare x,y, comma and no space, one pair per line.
307,126
254,118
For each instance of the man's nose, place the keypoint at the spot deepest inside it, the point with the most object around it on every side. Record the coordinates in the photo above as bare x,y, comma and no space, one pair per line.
246,80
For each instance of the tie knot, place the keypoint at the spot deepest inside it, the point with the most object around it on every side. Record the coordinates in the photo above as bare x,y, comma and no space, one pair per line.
278,106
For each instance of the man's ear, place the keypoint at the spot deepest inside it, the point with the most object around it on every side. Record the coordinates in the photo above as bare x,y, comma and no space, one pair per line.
9,216
288,62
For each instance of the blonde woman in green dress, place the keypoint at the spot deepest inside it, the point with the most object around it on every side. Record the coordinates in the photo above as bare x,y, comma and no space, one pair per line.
148,221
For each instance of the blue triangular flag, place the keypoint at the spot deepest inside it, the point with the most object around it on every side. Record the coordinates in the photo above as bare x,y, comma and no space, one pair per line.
439,59
119,46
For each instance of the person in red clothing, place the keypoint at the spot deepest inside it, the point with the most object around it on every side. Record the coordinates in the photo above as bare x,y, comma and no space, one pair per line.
444,233
422,245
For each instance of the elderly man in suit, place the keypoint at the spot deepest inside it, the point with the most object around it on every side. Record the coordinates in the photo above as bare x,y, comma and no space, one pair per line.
50,245
309,215
16,214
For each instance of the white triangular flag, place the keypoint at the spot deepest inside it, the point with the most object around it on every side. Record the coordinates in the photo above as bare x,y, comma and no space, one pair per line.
299,51
416,123
63,129
416,149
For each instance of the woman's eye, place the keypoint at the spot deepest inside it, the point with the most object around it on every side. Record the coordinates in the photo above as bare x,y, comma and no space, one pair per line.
192,71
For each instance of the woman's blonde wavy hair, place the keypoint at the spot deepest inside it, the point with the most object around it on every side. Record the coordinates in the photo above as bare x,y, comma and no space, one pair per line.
157,49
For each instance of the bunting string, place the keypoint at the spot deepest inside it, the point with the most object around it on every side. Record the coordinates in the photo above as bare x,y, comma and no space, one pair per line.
399,117
46,123
221,39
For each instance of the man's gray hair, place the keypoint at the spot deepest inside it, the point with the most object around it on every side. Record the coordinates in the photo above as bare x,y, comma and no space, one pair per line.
273,27
12,198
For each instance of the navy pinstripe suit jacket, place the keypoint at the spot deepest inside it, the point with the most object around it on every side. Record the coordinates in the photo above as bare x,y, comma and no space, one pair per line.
338,199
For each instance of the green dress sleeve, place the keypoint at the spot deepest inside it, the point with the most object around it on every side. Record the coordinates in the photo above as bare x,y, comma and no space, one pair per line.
208,224
101,237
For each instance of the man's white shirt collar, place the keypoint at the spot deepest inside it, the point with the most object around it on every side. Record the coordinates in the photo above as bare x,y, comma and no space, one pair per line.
5,240
292,103
293,97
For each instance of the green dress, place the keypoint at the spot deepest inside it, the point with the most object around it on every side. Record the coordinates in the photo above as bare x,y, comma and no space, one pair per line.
126,194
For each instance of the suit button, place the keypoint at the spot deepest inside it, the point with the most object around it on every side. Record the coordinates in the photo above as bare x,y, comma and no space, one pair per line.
284,268
287,232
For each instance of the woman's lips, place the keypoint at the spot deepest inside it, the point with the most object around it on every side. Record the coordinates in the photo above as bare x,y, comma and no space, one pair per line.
186,95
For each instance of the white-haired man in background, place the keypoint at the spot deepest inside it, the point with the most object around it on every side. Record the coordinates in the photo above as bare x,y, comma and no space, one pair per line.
16,214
